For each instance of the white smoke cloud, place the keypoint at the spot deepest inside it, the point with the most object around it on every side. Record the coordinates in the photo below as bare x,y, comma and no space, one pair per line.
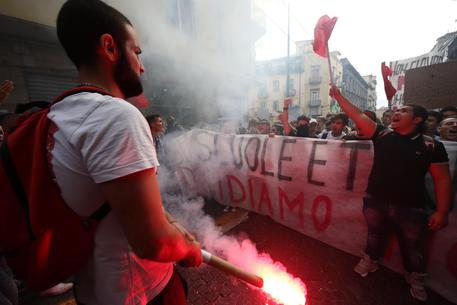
207,66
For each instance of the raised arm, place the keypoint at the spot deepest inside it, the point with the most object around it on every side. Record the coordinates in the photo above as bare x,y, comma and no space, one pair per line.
284,116
136,201
443,194
366,126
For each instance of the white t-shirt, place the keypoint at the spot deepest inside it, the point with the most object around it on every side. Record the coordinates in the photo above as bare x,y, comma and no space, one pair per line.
101,138
330,135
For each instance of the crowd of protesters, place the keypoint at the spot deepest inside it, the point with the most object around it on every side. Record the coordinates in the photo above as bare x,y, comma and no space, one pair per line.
440,124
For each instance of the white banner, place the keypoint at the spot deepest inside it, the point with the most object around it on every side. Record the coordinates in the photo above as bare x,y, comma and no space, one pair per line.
313,186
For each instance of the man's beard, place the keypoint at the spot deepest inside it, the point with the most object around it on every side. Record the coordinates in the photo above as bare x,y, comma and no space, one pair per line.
129,83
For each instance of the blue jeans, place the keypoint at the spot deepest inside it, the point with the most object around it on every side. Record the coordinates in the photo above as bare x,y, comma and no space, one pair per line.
409,225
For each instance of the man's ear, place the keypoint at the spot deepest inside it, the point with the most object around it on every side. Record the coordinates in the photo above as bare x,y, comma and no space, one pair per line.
417,120
108,47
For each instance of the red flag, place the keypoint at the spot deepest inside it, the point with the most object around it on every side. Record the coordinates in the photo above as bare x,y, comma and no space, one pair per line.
390,90
322,32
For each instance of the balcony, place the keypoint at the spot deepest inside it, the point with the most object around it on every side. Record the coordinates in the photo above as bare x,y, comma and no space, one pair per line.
314,103
315,80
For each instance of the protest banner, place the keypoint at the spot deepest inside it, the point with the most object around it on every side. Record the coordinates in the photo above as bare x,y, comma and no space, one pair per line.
314,186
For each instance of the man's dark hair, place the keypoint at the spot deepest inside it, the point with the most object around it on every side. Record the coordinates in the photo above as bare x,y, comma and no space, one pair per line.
264,121
340,116
436,114
303,118
81,23
153,117
448,108
279,127
387,111
419,111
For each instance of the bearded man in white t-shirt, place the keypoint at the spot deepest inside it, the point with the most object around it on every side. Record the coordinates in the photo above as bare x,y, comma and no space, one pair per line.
103,151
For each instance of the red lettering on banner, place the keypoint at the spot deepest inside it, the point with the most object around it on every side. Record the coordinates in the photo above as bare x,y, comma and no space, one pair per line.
451,260
318,225
298,200
231,178
265,198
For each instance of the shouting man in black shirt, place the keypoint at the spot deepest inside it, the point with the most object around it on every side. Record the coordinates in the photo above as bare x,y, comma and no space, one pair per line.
395,196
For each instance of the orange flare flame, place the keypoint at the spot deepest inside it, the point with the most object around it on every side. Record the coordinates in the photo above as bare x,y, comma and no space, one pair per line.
281,286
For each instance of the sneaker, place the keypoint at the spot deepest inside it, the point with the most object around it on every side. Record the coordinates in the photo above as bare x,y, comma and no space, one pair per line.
417,283
366,265
56,290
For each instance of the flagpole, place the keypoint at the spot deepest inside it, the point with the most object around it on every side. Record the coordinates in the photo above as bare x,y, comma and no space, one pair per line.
288,50
332,82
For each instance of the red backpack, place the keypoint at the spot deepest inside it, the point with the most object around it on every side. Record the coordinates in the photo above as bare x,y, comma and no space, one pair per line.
42,238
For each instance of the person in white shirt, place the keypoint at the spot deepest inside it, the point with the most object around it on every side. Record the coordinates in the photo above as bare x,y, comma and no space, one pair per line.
337,124
103,152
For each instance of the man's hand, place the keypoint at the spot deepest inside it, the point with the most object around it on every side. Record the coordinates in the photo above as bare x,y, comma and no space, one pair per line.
335,92
5,89
437,221
287,102
194,257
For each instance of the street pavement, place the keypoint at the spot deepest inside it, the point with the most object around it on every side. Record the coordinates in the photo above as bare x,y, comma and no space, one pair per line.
326,271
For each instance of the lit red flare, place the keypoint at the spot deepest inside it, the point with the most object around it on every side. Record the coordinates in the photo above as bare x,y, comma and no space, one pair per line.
281,286
271,277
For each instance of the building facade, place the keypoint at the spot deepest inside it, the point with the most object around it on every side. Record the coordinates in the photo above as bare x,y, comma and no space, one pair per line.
271,86
309,83
372,95
354,86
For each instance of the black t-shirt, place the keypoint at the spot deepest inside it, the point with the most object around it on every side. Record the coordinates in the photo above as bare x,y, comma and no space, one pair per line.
399,167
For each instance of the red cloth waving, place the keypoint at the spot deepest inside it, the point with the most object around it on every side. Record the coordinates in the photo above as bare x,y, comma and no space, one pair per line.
322,32
390,90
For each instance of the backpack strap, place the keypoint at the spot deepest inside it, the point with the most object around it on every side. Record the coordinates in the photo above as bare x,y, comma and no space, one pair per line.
101,212
79,89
